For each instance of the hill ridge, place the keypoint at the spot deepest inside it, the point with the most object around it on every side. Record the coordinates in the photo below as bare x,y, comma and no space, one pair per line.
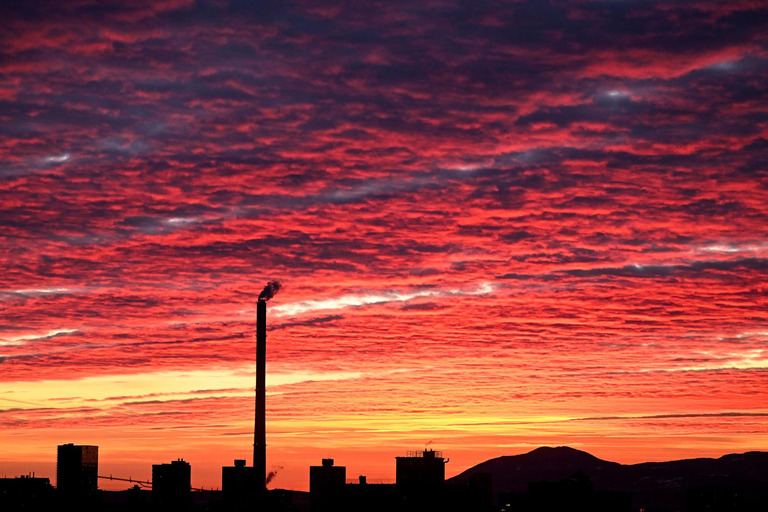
651,483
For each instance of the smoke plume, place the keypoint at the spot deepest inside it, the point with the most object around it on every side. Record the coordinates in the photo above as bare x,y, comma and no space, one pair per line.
269,290
272,473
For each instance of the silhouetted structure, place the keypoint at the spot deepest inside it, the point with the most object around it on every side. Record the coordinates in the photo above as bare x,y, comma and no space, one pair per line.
370,497
133,499
260,424
576,494
172,484
542,481
77,470
237,485
420,486
420,469
26,493
326,486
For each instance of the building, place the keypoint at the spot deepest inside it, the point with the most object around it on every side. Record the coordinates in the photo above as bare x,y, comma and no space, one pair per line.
172,484
238,485
26,493
420,469
420,486
77,470
326,486
420,481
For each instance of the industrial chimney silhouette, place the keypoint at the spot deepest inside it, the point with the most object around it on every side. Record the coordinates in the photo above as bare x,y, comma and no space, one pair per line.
260,424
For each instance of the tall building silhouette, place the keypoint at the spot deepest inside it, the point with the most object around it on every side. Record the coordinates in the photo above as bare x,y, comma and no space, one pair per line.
172,483
77,470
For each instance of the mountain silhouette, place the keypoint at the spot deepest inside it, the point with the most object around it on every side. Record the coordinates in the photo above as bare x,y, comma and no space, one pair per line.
663,485
513,472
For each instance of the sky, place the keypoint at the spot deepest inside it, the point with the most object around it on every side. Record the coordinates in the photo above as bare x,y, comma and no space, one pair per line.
497,226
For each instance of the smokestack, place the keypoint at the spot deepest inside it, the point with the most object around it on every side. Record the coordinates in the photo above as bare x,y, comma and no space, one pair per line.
260,422
260,426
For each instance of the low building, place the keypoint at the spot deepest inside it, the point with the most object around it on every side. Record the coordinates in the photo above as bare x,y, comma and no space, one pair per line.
326,486
421,469
26,493
238,485
172,483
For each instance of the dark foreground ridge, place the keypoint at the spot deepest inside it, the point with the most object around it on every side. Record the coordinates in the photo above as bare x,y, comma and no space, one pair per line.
735,482
543,480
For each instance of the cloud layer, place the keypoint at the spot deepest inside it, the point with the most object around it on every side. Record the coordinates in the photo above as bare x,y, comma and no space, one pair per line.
488,222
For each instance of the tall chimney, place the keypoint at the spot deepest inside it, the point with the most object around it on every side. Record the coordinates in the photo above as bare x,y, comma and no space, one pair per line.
260,428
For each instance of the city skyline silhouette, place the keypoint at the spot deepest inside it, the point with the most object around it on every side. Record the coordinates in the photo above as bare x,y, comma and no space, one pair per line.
493,227
547,479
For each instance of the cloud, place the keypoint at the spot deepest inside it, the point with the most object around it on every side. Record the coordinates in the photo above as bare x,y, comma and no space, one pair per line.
654,271
21,340
344,301
602,163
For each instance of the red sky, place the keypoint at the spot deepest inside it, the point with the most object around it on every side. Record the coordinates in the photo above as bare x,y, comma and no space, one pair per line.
496,228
